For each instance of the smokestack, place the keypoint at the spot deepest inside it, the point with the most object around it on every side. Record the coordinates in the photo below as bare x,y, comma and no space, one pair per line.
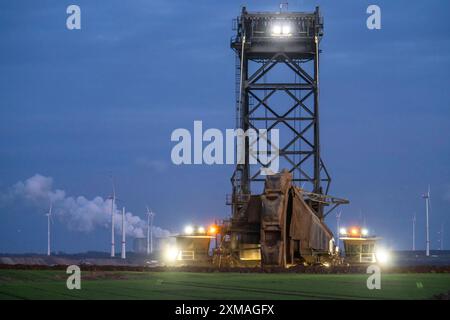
148,232
150,216
48,235
113,202
48,230
123,252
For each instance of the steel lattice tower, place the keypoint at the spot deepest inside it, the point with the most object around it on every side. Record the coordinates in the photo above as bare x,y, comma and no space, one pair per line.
277,87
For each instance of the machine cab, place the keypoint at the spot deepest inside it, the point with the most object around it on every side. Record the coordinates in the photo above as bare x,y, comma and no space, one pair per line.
359,246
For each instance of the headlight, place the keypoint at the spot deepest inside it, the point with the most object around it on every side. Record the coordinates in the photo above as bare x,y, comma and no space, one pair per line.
201,230
276,29
343,231
171,254
281,30
364,232
212,230
383,256
189,230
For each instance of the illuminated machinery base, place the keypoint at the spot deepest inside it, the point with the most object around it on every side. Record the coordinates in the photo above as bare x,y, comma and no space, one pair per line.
359,246
191,248
279,228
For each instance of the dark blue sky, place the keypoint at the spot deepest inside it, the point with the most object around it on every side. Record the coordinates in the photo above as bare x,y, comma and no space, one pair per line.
76,105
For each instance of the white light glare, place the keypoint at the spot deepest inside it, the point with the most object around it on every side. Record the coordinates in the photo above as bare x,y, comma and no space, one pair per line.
171,253
383,255
343,231
364,232
189,230
201,230
276,29
286,29
281,30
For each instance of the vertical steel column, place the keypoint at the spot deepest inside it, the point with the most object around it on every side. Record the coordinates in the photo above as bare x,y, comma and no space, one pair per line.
244,123
317,188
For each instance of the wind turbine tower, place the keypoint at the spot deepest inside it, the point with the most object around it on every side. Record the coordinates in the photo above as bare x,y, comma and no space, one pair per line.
414,232
123,251
426,196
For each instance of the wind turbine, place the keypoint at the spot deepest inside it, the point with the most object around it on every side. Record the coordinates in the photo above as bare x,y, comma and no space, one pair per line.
123,251
150,216
414,232
426,196
49,214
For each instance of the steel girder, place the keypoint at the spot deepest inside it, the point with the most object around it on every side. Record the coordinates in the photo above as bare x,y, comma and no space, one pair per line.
295,156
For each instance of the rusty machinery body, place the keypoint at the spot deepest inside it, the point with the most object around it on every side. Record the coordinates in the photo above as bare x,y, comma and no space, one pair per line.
284,224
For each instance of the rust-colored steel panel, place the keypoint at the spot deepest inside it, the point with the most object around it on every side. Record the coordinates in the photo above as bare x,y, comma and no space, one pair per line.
289,227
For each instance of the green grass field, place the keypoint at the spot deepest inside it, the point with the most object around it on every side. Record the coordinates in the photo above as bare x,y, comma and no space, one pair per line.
43,284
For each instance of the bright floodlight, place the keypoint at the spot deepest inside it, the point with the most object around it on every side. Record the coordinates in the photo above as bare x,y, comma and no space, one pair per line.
286,29
382,255
212,230
364,232
171,253
276,30
343,231
189,230
201,230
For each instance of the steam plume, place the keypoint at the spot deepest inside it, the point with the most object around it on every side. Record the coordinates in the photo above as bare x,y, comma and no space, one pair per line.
79,213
